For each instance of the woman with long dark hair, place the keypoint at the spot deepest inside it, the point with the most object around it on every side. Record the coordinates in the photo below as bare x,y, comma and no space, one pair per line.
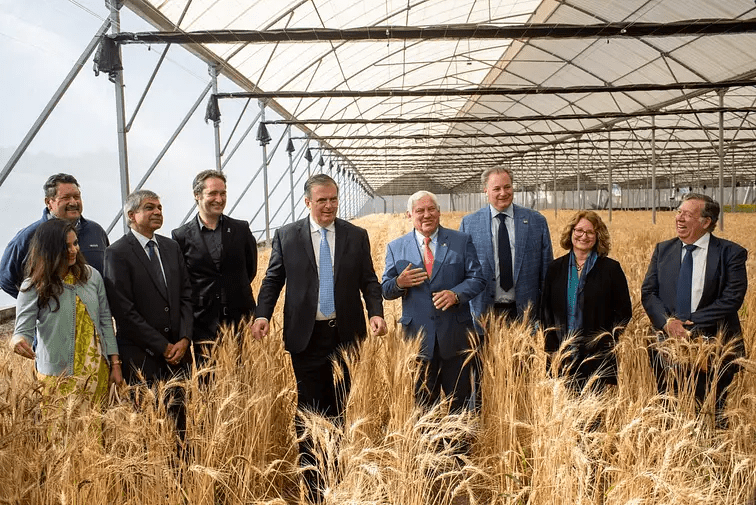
64,300
585,303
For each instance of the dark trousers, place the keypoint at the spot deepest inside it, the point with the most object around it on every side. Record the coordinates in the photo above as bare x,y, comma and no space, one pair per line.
669,376
316,391
452,376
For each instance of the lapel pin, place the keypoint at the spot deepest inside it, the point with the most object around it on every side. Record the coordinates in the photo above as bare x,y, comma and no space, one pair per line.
524,221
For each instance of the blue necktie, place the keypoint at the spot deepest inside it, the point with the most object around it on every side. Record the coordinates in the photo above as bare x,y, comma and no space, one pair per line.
327,305
685,284
506,280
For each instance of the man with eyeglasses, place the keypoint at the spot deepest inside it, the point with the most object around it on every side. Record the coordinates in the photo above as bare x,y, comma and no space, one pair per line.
514,249
694,287
221,257
327,268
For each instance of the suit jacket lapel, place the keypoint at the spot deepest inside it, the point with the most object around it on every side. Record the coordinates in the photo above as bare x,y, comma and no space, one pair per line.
305,235
196,238
412,249
442,248
712,263
141,254
340,246
489,252
521,238
226,236
168,272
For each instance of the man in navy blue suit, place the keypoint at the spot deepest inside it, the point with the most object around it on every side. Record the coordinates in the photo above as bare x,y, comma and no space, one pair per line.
514,277
436,273
694,287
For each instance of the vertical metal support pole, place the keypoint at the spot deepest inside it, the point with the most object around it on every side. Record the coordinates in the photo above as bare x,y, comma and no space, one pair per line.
213,71
698,172
721,94
734,205
653,169
580,200
291,177
123,153
265,178
555,184
611,183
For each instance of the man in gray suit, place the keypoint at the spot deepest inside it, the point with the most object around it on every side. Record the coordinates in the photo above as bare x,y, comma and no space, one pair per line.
514,249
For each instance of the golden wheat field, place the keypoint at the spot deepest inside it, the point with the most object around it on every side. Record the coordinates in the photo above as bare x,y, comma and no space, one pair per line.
532,443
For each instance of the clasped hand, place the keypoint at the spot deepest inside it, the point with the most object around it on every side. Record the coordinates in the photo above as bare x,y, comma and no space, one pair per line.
174,352
677,329
411,277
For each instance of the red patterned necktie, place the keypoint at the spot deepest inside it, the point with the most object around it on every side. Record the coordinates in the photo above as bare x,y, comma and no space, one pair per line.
428,257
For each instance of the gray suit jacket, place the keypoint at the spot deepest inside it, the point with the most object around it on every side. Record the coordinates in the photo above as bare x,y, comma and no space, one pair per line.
455,267
533,254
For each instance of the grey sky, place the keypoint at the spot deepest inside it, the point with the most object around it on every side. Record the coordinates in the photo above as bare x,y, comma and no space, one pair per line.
40,40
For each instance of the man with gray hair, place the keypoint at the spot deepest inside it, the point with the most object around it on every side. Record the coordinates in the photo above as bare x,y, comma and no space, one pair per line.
694,287
149,294
62,201
326,266
435,271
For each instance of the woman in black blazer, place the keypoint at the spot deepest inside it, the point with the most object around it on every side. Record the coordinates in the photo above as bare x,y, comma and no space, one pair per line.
585,305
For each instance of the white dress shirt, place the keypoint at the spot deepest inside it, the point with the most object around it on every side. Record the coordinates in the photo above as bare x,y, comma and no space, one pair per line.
501,295
143,242
699,269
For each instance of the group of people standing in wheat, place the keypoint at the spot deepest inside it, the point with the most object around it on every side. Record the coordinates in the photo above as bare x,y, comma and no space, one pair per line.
170,296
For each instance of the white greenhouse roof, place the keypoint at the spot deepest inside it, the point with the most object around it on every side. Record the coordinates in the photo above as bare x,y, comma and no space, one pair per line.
382,101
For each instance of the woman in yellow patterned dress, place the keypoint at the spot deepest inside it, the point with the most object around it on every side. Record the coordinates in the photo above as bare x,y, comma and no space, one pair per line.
64,300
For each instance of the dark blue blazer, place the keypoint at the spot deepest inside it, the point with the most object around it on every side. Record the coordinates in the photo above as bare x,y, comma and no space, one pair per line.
455,267
725,286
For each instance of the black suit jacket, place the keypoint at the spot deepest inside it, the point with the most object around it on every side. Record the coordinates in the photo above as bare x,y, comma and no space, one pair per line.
146,322
725,286
215,287
606,306
292,262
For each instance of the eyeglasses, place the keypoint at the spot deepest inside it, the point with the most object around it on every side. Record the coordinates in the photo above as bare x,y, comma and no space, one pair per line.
580,232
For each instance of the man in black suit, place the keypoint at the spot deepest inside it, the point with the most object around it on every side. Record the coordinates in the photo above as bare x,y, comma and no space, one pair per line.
694,287
326,273
150,297
221,257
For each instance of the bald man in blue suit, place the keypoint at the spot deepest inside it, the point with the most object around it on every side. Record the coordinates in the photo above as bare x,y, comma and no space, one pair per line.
436,273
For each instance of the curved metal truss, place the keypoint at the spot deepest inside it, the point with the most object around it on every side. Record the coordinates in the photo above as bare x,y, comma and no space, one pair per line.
427,94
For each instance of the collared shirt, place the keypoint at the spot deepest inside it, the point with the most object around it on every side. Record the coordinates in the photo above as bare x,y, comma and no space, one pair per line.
331,238
699,269
143,242
421,244
213,239
501,295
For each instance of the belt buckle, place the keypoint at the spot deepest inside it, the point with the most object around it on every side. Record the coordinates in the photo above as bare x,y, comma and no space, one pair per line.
332,323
